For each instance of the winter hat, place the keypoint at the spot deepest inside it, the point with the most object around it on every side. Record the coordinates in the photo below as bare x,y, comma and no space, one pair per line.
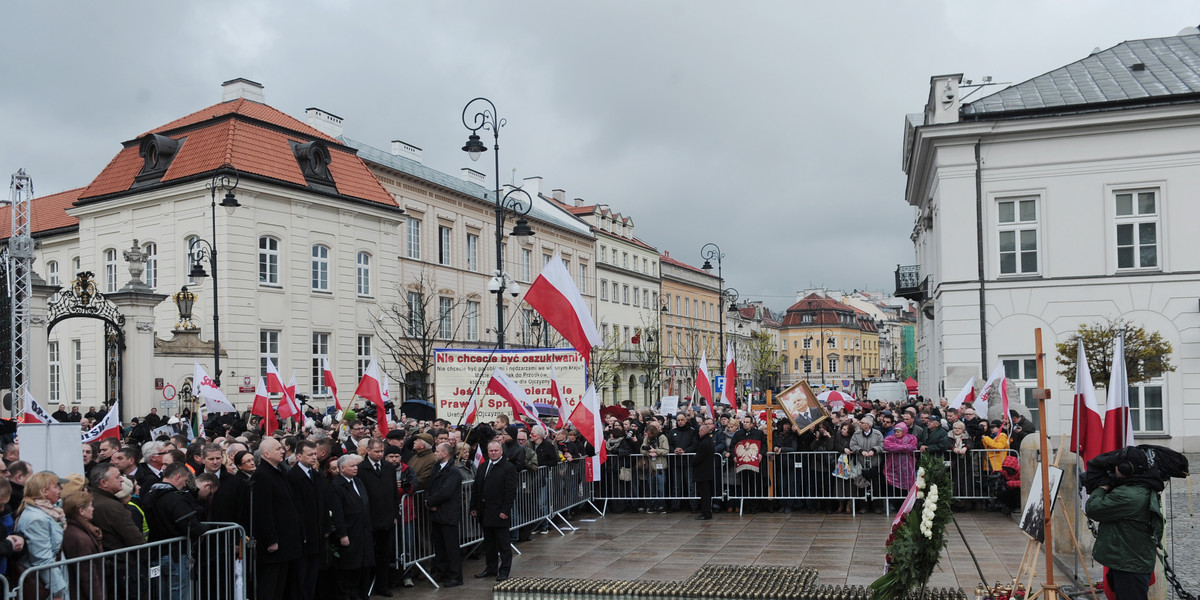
126,491
901,427
997,423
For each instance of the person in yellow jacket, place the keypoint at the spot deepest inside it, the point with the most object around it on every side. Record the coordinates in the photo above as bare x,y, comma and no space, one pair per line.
998,441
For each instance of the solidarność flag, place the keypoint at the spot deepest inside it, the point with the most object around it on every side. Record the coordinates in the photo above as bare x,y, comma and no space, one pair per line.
33,412
108,427
214,399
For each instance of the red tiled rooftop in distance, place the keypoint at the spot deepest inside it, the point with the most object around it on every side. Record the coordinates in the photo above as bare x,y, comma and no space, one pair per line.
666,257
247,108
46,213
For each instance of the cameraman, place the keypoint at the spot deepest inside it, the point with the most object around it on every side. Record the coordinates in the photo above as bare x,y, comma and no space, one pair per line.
1131,527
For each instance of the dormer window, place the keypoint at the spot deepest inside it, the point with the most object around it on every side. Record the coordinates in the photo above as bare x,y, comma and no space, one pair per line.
313,158
157,152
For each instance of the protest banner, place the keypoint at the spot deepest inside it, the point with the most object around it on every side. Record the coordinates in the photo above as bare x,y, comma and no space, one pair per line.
457,374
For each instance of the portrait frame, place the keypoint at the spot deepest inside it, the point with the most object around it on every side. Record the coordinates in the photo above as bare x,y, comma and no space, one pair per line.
799,399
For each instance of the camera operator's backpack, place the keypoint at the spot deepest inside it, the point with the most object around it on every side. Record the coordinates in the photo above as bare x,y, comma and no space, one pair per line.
1170,464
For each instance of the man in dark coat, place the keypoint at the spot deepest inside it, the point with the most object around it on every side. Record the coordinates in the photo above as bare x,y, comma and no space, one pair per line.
495,490
309,488
275,523
443,498
229,502
351,517
111,516
682,440
750,479
378,476
702,470
172,511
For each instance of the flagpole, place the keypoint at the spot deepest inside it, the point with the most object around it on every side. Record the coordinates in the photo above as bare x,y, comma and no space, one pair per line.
1079,355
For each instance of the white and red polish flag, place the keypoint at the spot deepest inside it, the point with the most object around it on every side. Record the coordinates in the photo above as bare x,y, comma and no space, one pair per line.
214,399
262,407
554,296
287,402
1118,428
730,390
478,456
33,412
1087,430
967,394
984,399
906,507
704,384
327,375
274,379
557,399
586,418
512,393
471,411
371,388
108,427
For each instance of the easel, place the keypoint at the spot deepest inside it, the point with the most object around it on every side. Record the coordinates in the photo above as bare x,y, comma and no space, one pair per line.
1049,588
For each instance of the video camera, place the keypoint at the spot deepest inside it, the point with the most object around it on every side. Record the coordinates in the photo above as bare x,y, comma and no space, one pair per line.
1146,465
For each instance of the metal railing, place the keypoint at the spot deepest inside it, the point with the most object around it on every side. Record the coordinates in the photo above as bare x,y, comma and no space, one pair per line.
213,566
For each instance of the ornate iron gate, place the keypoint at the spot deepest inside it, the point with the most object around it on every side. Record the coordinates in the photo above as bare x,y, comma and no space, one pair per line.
82,299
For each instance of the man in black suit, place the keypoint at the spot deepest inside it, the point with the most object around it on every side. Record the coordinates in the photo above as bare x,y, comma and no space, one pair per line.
379,478
228,503
358,435
702,470
351,510
308,486
443,498
276,523
492,499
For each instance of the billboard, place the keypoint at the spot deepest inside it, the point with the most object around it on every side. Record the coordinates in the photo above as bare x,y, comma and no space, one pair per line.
458,371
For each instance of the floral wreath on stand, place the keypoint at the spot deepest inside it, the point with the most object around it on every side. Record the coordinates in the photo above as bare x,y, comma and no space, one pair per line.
918,533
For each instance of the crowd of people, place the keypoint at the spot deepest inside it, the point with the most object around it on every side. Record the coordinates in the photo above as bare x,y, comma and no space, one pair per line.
323,501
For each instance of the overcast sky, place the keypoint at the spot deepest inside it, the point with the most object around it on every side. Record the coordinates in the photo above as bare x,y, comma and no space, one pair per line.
772,128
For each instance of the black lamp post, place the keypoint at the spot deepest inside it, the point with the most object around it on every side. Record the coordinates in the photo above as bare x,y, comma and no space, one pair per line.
487,119
709,252
226,178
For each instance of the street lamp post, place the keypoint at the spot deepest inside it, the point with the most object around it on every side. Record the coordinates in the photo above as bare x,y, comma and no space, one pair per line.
226,178
486,118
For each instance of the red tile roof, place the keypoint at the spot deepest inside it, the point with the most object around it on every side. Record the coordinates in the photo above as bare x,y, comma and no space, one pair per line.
253,138
665,257
46,213
827,311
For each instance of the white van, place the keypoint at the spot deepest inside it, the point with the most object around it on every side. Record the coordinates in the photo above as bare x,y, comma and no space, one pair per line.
888,391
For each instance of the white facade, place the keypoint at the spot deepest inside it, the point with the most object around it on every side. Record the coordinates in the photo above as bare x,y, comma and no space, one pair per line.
1057,198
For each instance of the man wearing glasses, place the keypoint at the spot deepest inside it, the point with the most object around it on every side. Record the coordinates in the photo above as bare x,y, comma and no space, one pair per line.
358,433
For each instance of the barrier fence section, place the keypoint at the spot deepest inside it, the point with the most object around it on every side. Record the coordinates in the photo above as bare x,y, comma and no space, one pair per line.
213,566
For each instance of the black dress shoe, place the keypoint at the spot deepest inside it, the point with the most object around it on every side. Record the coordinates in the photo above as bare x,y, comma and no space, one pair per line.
453,583
501,577
484,574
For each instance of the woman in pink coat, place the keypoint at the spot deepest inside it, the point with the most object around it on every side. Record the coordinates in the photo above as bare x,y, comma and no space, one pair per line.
900,469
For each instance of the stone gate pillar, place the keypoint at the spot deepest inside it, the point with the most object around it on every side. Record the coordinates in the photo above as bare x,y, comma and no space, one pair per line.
137,302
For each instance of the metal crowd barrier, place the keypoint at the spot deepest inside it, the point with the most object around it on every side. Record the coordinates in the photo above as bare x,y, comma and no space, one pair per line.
649,483
221,562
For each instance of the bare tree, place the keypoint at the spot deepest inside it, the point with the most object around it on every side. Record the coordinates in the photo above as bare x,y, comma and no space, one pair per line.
648,354
425,317
765,361
605,363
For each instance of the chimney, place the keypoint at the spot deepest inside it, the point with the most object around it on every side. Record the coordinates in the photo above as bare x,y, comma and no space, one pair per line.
579,202
532,186
944,100
242,88
560,195
325,122
473,176
406,150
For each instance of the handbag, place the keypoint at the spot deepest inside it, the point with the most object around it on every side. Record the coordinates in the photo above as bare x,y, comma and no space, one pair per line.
844,468
625,474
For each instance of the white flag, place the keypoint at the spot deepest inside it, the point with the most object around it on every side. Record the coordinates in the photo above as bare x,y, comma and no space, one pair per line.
204,387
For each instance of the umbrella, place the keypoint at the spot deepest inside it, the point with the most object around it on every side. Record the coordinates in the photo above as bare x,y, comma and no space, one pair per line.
835,400
620,412
419,410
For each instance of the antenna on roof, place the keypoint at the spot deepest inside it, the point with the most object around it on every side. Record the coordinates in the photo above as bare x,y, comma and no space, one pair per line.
975,87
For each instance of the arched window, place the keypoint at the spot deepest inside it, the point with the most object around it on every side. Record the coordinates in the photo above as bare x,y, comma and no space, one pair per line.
320,268
268,261
110,270
151,250
364,274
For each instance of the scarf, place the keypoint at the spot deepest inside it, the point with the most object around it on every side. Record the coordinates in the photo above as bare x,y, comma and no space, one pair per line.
89,527
53,511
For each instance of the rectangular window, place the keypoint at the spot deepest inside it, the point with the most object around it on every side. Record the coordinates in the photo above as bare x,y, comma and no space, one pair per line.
445,315
52,273
268,347
604,289
1146,406
583,275
1137,229
614,257
364,354
472,252
1022,373
646,298
526,264
110,270
151,251
320,269
808,343
444,246
472,318
833,364
616,289
655,296
808,365
603,252
320,351
55,373
545,260
364,274
414,239
268,261
625,294
416,314
637,297
645,265
1018,236
77,352
625,260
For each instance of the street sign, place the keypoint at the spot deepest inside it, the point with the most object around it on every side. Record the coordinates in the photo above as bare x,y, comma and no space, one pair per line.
168,392
719,382
845,383
747,385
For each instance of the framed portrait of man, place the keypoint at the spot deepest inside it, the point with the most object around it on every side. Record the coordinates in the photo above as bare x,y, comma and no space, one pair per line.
800,405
